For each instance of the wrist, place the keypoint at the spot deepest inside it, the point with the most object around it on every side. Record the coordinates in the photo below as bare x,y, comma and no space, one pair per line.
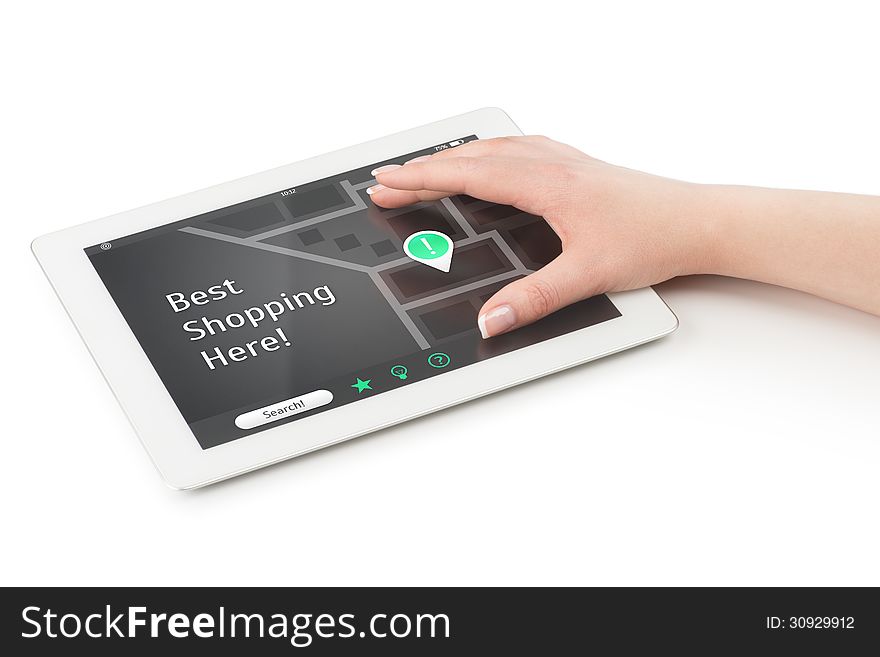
700,223
717,226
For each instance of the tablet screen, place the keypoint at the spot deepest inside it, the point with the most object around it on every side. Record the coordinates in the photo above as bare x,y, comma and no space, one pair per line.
310,298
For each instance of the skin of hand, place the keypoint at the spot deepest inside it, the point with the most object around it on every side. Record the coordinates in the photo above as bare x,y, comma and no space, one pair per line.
623,229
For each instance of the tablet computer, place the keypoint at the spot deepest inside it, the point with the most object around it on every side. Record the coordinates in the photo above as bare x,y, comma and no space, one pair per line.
277,314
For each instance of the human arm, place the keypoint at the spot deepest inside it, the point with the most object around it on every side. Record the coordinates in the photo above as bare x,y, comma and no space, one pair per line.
623,229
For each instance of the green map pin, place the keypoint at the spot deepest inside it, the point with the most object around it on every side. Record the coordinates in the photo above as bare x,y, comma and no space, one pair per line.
431,248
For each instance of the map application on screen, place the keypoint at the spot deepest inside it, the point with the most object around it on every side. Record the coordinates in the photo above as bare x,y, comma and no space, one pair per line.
310,298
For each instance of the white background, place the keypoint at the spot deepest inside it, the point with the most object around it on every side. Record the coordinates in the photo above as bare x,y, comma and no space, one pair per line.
743,449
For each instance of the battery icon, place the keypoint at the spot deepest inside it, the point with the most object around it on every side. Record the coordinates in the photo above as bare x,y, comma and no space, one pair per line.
457,142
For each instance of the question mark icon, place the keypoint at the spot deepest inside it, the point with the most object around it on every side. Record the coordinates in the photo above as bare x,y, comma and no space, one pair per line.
439,360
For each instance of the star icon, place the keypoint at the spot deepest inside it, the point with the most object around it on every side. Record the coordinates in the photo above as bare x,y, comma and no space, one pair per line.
362,385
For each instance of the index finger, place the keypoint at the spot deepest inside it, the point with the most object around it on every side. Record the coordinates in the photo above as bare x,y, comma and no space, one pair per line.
502,147
504,181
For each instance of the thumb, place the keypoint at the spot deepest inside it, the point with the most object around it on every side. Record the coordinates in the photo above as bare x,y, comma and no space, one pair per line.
528,299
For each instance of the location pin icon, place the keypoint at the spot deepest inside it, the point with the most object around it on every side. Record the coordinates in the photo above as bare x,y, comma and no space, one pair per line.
431,248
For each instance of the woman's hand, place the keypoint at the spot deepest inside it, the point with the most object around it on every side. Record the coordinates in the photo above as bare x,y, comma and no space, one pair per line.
620,229
623,229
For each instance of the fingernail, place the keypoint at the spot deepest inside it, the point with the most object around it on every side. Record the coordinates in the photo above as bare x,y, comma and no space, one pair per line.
375,188
418,159
498,320
384,169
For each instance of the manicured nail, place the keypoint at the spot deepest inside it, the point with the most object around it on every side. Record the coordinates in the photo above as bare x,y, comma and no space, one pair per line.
384,169
498,320
418,159
375,188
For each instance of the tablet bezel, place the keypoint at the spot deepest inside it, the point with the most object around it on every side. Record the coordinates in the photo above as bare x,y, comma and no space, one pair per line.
162,430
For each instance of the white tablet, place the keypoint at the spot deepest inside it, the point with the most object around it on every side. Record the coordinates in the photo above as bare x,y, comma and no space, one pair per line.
277,314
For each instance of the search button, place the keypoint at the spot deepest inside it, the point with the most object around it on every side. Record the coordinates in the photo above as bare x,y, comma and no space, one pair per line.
283,409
